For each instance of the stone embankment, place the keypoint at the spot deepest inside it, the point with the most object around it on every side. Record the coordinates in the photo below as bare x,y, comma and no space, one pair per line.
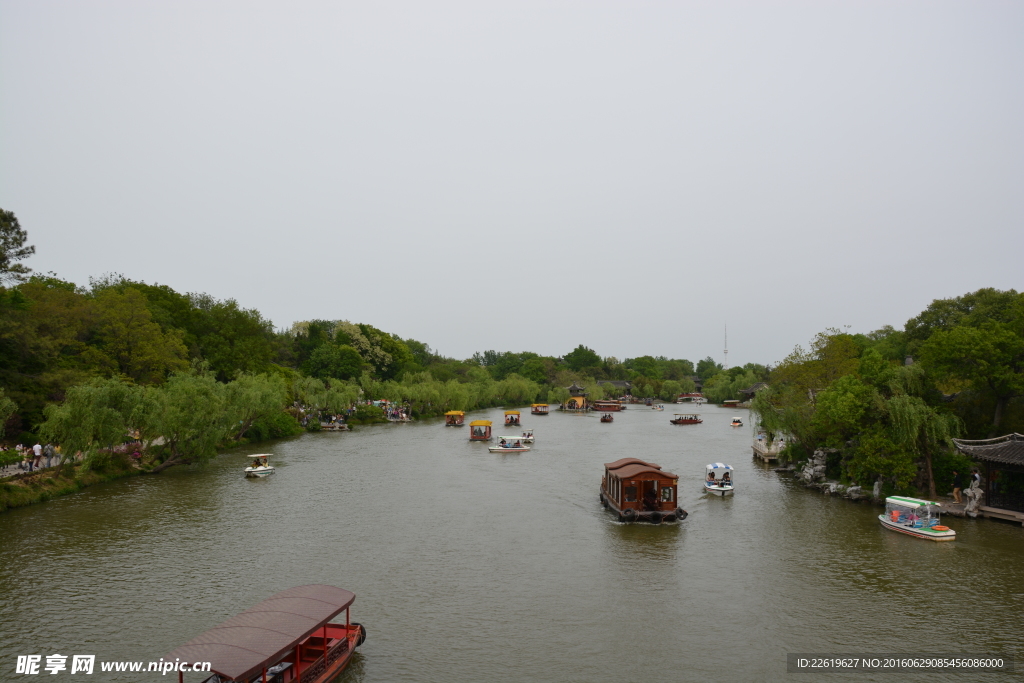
812,474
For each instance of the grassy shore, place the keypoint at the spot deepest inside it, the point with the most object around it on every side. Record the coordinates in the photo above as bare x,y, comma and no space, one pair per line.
38,487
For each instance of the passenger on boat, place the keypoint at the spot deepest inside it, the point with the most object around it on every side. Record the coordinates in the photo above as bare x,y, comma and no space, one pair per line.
502,443
726,479
518,445
711,477
255,463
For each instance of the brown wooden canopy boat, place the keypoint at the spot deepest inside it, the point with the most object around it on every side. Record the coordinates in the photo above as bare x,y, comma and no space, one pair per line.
686,419
287,638
606,406
637,490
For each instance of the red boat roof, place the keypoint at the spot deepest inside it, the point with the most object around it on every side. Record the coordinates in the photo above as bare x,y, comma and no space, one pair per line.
241,646
638,470
630,461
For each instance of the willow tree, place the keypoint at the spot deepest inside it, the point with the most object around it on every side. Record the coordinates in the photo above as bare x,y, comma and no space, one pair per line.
191,413
252,397
922,429
94,418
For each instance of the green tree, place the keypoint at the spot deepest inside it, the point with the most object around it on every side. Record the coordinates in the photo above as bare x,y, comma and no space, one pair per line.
253,397
329,360
7,408
231,339
644,366
136,344
13,249
582,357
708,368
94,417
190,413
989,358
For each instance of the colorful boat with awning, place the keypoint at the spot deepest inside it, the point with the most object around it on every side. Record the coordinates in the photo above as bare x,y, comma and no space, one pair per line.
915,517
288,638
454,418
480,430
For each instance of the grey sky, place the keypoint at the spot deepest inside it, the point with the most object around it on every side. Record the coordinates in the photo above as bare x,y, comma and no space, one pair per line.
527,175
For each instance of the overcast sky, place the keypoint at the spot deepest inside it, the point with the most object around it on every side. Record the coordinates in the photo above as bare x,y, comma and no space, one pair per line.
632,176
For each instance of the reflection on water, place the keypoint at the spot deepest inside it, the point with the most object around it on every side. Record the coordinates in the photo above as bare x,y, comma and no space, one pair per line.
472,566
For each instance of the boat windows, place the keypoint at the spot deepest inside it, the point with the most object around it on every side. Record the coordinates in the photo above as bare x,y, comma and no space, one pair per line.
666,494
911,515
630,494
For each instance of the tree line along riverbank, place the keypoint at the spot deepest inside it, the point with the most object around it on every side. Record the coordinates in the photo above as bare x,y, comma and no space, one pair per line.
83,366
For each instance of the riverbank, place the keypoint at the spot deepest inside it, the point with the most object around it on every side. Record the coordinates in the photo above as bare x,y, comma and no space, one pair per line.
812,475
28,488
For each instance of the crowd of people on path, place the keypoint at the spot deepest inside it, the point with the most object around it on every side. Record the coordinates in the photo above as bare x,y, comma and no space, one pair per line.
37,457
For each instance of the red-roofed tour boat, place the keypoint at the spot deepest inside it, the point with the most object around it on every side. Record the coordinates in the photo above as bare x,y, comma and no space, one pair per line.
287,638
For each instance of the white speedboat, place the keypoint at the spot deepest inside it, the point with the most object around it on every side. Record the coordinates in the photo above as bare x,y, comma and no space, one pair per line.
527,436
509,444
719,485
259,467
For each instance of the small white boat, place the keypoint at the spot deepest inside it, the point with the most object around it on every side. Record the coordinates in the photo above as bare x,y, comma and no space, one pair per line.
259,467
509,444
527,436
915,517
715,484
737,422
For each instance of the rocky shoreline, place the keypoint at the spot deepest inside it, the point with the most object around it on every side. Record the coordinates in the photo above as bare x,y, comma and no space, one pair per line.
812,475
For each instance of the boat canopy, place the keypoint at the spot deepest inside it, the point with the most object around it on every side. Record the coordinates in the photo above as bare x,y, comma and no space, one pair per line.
719,466
538,405
242,646
455,412
686,414
643,471
480,423
910,502
511,412
629,461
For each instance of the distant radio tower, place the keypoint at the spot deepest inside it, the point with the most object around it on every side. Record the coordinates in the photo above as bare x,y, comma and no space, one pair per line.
726,347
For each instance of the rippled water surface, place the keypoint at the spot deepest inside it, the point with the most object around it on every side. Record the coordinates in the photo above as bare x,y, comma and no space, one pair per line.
472,566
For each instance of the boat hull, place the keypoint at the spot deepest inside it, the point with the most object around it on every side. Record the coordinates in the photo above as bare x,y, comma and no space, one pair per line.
718,490
649,516
259,472
918,532
508,449
686,422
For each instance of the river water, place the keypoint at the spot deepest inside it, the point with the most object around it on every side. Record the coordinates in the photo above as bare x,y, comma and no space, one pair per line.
479,567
